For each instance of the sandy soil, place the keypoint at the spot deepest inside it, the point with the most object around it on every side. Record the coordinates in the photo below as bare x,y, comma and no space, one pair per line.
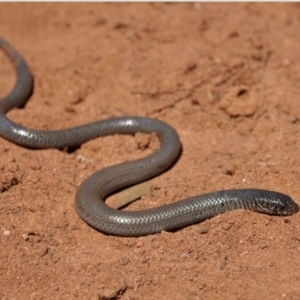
226,76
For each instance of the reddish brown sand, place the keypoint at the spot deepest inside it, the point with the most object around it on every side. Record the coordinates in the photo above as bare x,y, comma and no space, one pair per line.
225,76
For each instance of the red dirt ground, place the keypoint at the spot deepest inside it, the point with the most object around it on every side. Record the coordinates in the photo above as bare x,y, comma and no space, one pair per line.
226,76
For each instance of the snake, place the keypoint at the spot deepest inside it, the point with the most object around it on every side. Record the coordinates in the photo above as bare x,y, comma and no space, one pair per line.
92,193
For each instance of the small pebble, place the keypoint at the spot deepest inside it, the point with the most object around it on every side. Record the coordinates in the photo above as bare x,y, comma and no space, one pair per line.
204,229
139,244
227,226
81,158
184,255
25,236
6,232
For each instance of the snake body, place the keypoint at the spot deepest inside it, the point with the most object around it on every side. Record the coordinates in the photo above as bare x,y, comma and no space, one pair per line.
90,197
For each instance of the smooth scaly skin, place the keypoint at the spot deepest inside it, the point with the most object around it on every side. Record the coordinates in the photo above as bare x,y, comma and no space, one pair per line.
89,202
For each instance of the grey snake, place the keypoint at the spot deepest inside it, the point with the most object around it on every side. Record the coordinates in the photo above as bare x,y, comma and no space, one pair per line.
90,196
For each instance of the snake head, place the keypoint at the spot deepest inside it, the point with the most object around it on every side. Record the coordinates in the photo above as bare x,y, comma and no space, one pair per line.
282,205
289,207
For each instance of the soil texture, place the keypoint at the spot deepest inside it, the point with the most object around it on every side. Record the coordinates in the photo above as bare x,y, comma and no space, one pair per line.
225,76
